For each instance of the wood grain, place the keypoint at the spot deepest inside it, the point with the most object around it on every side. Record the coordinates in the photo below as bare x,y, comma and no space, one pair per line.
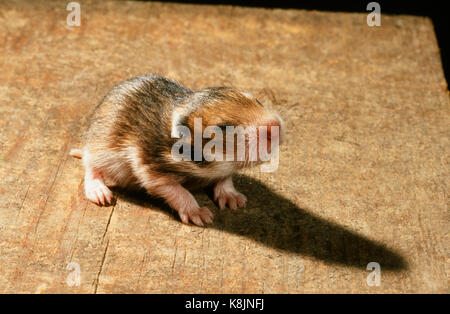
363,175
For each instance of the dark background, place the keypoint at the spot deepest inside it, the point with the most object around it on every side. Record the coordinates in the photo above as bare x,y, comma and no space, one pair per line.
436,10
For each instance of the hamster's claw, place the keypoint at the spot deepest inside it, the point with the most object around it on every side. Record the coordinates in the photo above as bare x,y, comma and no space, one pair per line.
226,194
98,193
234,200
199,216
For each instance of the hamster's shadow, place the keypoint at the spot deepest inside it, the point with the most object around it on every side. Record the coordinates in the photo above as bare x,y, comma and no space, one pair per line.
278,223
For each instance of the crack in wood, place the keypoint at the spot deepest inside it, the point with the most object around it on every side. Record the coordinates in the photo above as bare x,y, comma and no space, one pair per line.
96,282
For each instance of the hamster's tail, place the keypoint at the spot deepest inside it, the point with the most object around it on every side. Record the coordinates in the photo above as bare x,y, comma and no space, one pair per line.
77,153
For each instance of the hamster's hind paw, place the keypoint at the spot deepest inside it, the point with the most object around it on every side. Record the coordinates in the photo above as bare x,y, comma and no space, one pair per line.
97,192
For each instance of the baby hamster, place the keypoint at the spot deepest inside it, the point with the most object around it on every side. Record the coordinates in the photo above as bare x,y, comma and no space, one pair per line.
132,133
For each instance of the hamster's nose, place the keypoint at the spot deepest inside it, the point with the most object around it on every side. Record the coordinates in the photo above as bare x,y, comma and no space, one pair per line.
274,128
269,135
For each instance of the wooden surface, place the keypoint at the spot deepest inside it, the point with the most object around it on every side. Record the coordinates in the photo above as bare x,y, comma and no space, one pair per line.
363,175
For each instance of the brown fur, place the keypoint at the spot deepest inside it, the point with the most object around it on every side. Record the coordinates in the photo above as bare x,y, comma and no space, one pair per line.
129,139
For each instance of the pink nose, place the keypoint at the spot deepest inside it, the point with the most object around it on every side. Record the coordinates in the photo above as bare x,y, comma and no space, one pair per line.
273,129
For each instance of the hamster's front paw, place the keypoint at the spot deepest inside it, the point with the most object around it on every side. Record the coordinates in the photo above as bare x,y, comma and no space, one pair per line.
198,215
233,199
226,194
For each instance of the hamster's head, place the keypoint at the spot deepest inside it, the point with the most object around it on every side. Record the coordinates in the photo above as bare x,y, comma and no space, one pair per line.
230,130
